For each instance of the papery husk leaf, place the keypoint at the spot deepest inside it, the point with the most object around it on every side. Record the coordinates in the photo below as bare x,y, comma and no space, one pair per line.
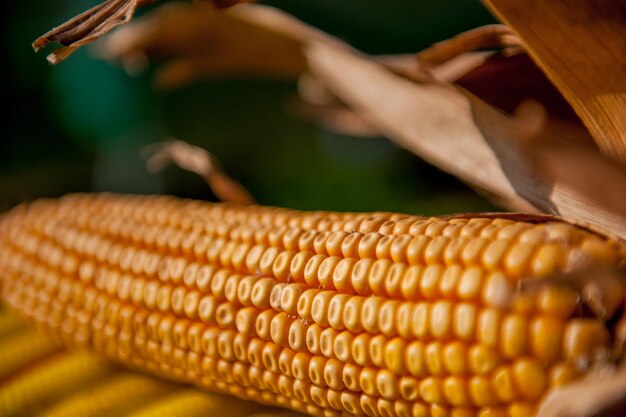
463,135
206,165
96,22
87,27
484,37
581,47
204,42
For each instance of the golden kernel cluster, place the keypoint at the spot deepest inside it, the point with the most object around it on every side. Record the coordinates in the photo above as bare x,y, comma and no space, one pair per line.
325,313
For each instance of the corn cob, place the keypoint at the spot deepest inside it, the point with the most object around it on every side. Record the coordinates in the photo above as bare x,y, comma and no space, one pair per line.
8,324
276,413
42,385
192,403
325,313
22,348
116,395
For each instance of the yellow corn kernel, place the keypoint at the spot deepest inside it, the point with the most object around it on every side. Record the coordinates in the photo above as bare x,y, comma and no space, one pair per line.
548,259
503,384
394,356
352,314
488,327
433,357
351,374
481,393
584,339
370,312
335,311
429,282
483,359
342,347
492,412
514,335
530,378
420,410
546,338
441,319
470,283
595,247
415,359
387,317
562,374
464,321
388,384
421,320
367,380
403,319
410,285
431,390
455,390
449,281
409,388
497,291
559,301
517,261
494,253
462,412
376,350
455,358
522,410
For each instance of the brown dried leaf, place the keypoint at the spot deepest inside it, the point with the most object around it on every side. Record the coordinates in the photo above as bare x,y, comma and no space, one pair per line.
200,42
336,118
461,134
95,22
87,27
581,46
197,160
484,37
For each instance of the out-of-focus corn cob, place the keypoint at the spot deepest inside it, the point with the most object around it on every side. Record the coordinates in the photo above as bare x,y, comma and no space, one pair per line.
40,386
192,403
117,395
276,413
8,324
22,348
325,313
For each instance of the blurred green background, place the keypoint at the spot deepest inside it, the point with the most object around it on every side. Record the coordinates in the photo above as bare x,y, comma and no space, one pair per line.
80,126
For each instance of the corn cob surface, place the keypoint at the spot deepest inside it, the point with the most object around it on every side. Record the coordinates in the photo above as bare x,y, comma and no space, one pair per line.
324,313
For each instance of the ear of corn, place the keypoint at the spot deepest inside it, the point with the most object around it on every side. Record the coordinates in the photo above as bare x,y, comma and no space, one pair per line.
276,413
21,348
325,313
192,403
8,324
35,389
